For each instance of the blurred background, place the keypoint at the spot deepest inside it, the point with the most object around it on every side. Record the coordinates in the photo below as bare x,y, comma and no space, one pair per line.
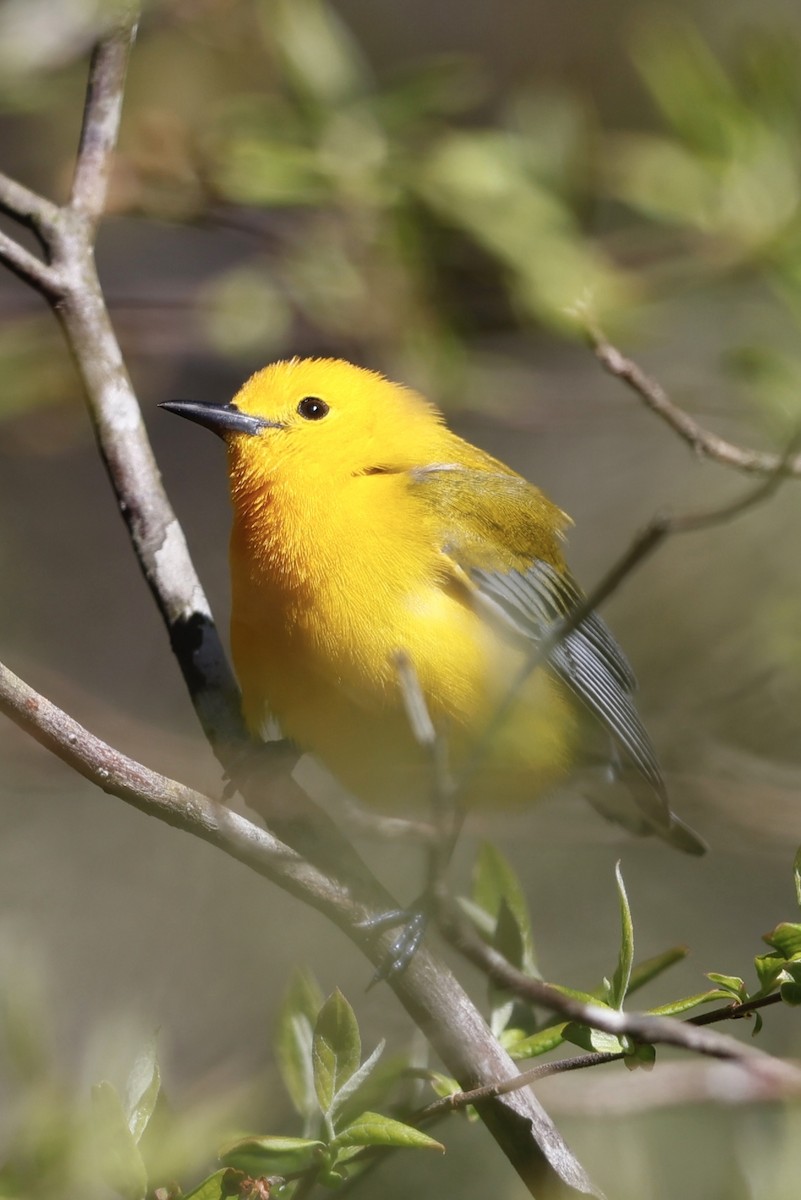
427,189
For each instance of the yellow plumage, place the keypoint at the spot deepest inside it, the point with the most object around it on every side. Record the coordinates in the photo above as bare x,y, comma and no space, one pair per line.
364,528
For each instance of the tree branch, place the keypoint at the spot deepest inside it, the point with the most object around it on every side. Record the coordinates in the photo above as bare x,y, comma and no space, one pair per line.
29,268
702,441
101,120
640,1027
26,206
68,280
760,1088
428,991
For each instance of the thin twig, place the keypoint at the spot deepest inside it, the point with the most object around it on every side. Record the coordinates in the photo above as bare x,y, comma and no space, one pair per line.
459,1100
580,1062
701,440
28,267
639,1027
25,206
737,1011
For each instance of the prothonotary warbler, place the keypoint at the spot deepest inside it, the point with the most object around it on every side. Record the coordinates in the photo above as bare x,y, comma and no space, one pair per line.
366,534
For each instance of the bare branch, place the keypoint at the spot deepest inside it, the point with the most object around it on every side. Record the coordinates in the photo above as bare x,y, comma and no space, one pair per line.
702,441
26,206
101,119
459,1100
40,216
29,268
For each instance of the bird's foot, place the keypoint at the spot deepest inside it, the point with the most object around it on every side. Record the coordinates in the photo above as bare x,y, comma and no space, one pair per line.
412,923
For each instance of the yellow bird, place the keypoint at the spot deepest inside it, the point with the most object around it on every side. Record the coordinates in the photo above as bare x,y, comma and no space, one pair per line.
367,535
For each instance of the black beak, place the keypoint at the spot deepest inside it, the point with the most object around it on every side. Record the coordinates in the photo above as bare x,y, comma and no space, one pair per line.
219,418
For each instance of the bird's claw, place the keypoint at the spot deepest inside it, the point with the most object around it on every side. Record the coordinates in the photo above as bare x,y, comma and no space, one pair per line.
413,923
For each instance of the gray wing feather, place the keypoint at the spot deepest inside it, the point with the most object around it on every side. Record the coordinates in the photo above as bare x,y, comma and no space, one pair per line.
589,662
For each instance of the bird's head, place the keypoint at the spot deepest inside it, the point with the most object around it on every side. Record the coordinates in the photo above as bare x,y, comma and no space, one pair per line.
320,418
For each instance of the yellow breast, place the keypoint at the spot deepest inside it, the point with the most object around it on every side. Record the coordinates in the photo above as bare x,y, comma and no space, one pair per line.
323,605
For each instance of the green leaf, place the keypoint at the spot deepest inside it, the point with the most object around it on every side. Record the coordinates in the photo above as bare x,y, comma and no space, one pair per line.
270,1155
373,1129
592,1039
620,980
443,1085
509,938
336,1048
786,938
498,891
688,83
482,920
797,875
790,988
729,983
293,1040
369,1086
675,1007
144,1084
640,1056
217,1186
790,992
119,1160
584,997
502,1007
768,968
320,56
650,968
357,1080
536,1043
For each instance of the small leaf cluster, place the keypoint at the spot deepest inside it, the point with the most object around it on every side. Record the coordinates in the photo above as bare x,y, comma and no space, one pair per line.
777,971
499,912
121,1123
318,1047
396,188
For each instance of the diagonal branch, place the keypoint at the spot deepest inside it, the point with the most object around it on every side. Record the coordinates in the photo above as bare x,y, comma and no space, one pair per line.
428,990
702,441
640,1027
26,206
28,267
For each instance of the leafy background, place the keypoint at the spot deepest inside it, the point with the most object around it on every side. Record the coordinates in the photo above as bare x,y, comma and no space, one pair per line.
426,189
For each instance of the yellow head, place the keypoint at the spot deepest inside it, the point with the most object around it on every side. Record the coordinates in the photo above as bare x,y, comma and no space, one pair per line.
326,418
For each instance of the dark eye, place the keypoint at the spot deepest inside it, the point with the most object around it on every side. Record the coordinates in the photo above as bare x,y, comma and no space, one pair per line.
312,408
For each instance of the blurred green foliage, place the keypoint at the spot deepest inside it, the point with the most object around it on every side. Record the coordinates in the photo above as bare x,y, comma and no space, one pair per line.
394,218
350,1111
398,218
132,1140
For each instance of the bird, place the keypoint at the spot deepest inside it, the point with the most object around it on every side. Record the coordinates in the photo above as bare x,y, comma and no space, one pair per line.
371,545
